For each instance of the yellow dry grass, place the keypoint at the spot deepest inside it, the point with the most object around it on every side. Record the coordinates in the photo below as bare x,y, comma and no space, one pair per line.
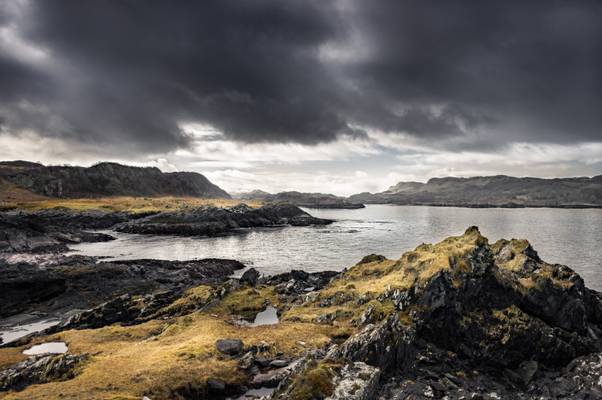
157,357
130,204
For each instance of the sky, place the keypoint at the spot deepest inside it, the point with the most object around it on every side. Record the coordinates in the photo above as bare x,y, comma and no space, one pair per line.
339,96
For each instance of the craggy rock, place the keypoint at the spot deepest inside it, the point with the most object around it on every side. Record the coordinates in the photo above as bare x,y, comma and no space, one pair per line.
298,282
372,258
125,309
36,370
212,221
250,277
469,320
230,347
355,381
82,282
387,346
52,230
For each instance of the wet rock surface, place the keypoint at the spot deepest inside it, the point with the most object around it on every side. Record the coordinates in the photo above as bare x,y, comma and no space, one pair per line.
213,221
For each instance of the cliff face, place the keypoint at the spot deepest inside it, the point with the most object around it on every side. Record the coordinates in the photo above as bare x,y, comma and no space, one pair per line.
106,179
493,191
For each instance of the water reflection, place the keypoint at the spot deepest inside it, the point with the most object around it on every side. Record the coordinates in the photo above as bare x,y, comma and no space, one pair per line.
269,316
46,348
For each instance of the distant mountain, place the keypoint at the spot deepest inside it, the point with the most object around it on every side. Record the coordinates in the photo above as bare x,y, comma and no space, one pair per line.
300,199
105,179
492,191
252,195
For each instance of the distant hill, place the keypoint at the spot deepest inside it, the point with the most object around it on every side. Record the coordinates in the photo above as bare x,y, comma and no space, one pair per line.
104,179
492,191
252,195
300,199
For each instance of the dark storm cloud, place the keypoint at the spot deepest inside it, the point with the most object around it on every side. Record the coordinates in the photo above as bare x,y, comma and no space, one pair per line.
534,67
128,71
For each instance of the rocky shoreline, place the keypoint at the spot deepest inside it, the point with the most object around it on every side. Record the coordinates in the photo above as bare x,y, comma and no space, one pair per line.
212,221
460,319
52,230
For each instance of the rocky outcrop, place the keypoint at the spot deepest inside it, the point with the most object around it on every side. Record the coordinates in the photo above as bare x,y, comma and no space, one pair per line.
125,309
82,282
53,229
212,221
37,370
107,179
298,282
466,319
492,191
356,381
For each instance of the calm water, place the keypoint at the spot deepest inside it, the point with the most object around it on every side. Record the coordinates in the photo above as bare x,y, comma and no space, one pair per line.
47,348
570,237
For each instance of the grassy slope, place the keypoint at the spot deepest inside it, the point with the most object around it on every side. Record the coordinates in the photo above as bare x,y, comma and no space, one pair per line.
159,356
11,193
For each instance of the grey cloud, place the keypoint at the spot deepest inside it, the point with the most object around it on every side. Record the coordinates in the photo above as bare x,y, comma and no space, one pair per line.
126,72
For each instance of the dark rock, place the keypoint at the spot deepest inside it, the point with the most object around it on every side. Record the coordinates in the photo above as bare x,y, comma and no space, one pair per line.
372,258
388,346
126,309
279,363
230,347
250,277
51,230
82,282
215,386
527,370
36,370
296,282
212,221
263,361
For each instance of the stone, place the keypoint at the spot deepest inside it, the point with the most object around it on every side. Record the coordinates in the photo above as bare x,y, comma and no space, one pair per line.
215,386
279,363
230,347
37,370
355,381
527,370
250,277
372,258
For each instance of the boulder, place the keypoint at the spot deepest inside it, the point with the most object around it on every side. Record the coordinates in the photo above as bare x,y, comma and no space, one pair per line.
250,277
230,347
